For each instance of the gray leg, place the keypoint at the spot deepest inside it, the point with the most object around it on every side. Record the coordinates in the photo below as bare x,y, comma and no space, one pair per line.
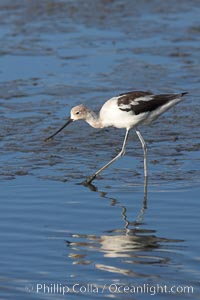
144,147
121,153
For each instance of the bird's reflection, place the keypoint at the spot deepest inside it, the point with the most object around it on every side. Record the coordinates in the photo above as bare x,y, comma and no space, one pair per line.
130,245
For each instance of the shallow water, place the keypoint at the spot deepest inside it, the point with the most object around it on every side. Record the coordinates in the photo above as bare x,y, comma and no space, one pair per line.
110,240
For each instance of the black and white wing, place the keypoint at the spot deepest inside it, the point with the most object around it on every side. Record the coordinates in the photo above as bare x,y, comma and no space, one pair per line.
139,102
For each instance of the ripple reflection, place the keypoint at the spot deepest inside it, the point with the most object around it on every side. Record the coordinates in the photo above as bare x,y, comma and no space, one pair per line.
120,250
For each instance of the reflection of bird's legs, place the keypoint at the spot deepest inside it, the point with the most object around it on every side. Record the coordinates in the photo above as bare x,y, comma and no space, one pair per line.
140,216
124,216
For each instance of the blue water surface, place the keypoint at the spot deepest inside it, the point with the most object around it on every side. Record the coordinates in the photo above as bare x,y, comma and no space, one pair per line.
58,237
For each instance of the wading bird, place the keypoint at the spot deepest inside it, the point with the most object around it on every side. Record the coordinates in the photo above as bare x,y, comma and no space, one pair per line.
127,110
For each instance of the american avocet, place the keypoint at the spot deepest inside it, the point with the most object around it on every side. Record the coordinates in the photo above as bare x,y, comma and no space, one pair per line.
125,111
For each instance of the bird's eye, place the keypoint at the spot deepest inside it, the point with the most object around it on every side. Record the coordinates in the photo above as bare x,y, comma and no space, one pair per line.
77,113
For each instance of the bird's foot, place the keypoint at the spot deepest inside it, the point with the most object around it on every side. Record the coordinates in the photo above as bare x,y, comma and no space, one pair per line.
88,180
88,183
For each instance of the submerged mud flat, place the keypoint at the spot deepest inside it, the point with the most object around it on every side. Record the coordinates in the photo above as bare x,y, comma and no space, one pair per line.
55,55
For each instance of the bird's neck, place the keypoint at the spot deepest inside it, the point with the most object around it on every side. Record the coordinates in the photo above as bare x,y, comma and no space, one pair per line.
93,119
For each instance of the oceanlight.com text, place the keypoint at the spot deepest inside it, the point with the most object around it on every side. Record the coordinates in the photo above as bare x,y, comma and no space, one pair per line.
112,288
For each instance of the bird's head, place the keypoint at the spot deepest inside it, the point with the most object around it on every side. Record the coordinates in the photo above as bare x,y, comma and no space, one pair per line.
78,112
